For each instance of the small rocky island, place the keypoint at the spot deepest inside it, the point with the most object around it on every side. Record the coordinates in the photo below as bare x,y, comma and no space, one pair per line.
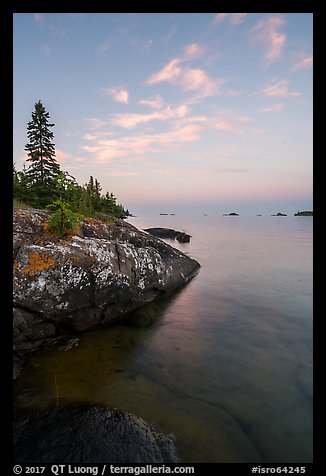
279,214
232,214
169,233
305,213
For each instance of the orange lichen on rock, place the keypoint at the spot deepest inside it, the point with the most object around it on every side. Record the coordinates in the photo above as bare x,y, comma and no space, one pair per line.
37,262
48,233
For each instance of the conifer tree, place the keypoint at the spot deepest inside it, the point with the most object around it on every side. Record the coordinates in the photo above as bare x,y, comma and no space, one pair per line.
41,153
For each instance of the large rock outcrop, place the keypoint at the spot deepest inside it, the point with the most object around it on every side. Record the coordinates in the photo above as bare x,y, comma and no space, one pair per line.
80,281
86,434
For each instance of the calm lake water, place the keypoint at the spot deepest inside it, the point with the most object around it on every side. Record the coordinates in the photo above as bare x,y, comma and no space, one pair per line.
227,365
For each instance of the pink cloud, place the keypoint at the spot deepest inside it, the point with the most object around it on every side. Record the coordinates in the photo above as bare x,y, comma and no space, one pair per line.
266,32
104,47
231,124
304,63
193,51
188,133
168,73
119,173
46,50
235,18
190,79
39,18
274,108
95,123
130,120
68,159
197,80
280,89
118,94
155,102
131,148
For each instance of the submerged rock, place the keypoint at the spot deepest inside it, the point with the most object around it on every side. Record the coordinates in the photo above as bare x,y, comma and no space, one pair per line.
86,434
81,281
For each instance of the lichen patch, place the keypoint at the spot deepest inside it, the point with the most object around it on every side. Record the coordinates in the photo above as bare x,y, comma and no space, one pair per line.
37,262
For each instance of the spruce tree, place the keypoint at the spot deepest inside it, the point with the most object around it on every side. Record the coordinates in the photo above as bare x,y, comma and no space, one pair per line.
41,153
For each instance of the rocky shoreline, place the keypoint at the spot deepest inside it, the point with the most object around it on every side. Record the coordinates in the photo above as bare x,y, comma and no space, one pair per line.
78,282
64,286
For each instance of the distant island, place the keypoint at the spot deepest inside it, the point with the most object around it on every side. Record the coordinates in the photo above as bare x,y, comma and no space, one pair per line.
279,214
305,213
232,214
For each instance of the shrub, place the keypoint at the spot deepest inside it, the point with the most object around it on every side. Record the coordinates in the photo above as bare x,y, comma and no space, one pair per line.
63,221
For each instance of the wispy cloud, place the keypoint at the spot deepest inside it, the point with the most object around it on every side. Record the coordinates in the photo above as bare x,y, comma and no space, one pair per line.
280,89
155,102
170,72
172,31
118,94
278,107
66,158
197,80
57,30
193,51
95,123
190,79
39,18
230,123
135,148
304,63
121,173
46,50
266,32
130,120
104,47
234,18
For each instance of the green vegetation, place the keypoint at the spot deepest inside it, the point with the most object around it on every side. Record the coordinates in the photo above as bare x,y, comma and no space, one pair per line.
63,220
44,185
19,204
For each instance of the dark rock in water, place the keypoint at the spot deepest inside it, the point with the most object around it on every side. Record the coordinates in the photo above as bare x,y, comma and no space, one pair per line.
169,233
232,214
86,434
279,214
78,282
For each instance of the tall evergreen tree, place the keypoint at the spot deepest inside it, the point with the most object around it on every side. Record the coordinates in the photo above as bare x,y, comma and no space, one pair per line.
41,153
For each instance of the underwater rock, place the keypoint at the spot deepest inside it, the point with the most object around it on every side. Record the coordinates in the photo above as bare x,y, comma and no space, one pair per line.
88,434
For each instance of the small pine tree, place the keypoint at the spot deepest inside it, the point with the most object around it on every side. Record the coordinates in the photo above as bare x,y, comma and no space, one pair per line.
41,153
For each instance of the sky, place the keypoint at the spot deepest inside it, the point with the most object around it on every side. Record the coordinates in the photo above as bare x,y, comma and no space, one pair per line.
192,112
